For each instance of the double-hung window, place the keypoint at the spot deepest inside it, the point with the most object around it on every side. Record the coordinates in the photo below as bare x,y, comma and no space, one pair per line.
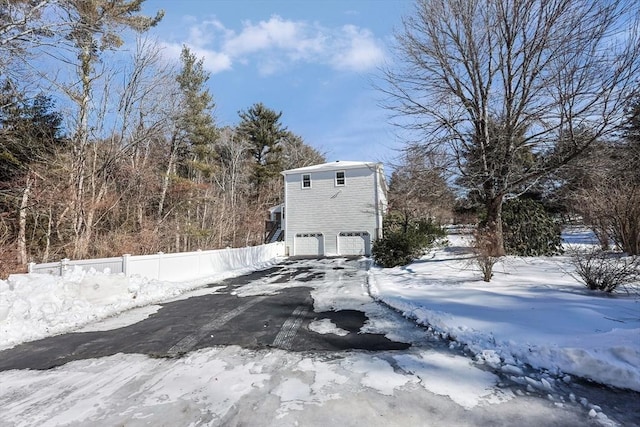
339,178
306,181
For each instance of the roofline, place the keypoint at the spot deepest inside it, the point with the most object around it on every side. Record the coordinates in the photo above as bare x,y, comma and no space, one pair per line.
337,165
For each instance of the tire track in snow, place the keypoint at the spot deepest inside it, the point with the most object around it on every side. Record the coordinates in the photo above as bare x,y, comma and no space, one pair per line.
290,327
187,343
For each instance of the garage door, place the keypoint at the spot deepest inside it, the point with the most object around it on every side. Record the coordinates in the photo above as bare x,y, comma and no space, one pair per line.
309,244
354,243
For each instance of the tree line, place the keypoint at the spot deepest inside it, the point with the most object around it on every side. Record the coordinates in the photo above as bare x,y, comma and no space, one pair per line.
533,99
105,152
102,154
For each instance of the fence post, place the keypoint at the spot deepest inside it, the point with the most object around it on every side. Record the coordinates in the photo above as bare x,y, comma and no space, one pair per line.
125,264
30,267
158,275
64,265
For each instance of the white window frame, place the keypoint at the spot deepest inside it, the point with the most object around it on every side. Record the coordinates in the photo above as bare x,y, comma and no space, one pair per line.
344,179
302,181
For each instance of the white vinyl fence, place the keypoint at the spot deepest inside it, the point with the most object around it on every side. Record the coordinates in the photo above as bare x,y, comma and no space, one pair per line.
176,266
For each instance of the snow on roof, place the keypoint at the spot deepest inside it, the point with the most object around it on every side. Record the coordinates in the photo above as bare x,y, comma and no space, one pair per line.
337,165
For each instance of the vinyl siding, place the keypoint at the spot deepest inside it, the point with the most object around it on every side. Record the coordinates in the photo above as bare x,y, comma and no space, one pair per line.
329,209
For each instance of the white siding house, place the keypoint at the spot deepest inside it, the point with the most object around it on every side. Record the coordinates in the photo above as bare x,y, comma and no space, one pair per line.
333,208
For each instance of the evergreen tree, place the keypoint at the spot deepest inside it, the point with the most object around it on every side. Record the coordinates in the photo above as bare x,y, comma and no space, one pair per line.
197,128
529,230
30,132
405,240
261,127
631,146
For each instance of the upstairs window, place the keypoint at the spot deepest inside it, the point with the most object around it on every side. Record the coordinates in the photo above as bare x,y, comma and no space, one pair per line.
340,178
306,181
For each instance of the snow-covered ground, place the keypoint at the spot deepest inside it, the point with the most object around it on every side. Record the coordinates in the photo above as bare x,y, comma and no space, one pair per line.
534,312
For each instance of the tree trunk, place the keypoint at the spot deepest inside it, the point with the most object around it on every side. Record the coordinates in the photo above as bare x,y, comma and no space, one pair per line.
167,176
22,222
45,255
80,142
492,231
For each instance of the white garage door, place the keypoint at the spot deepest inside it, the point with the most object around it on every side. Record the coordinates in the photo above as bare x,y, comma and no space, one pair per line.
309,244
354,243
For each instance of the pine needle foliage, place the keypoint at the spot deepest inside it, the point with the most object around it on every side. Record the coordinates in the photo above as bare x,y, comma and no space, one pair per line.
529,230
405,241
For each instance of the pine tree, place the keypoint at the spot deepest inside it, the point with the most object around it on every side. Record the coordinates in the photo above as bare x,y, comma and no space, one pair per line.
197,128
261,127
529,230
30,132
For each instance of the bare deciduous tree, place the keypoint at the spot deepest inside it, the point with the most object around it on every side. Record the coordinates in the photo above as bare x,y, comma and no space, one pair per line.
23,27
418,189
545,70
94,27
297,154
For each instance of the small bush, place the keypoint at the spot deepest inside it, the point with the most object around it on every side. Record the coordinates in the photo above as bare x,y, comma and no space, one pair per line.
529,230
481,247
606,271
402,244
395,249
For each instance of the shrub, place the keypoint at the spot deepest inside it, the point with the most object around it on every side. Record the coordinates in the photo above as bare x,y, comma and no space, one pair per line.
402,243
482,248
529,230
395,249
606,271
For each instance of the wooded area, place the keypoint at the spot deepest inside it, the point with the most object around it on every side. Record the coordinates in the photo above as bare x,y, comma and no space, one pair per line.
526,98
99,159
105,151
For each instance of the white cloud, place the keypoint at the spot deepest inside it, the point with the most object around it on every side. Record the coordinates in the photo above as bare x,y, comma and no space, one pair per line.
359,51
275,33
277,43
214,62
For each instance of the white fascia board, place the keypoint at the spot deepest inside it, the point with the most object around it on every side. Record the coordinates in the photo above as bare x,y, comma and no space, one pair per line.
339,165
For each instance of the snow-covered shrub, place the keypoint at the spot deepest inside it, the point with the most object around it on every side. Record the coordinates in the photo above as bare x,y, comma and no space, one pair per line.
606,271
529,230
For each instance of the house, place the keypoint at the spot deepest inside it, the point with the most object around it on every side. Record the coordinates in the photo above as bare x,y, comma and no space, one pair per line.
333,208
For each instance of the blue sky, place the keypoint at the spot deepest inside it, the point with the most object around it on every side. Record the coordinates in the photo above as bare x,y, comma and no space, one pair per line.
313,60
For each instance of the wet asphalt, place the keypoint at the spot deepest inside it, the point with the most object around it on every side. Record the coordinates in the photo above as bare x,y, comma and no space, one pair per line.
217,319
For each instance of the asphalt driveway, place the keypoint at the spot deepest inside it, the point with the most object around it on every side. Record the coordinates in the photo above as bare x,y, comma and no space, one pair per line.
279,320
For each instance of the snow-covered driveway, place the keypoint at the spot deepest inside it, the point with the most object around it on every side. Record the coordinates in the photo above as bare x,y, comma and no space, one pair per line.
272,308
304,364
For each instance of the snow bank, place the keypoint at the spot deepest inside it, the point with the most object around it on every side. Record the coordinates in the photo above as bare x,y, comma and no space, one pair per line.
532,313
34,306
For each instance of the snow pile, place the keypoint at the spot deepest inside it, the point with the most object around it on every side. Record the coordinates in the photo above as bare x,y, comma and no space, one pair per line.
533,312
33,306
326,326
